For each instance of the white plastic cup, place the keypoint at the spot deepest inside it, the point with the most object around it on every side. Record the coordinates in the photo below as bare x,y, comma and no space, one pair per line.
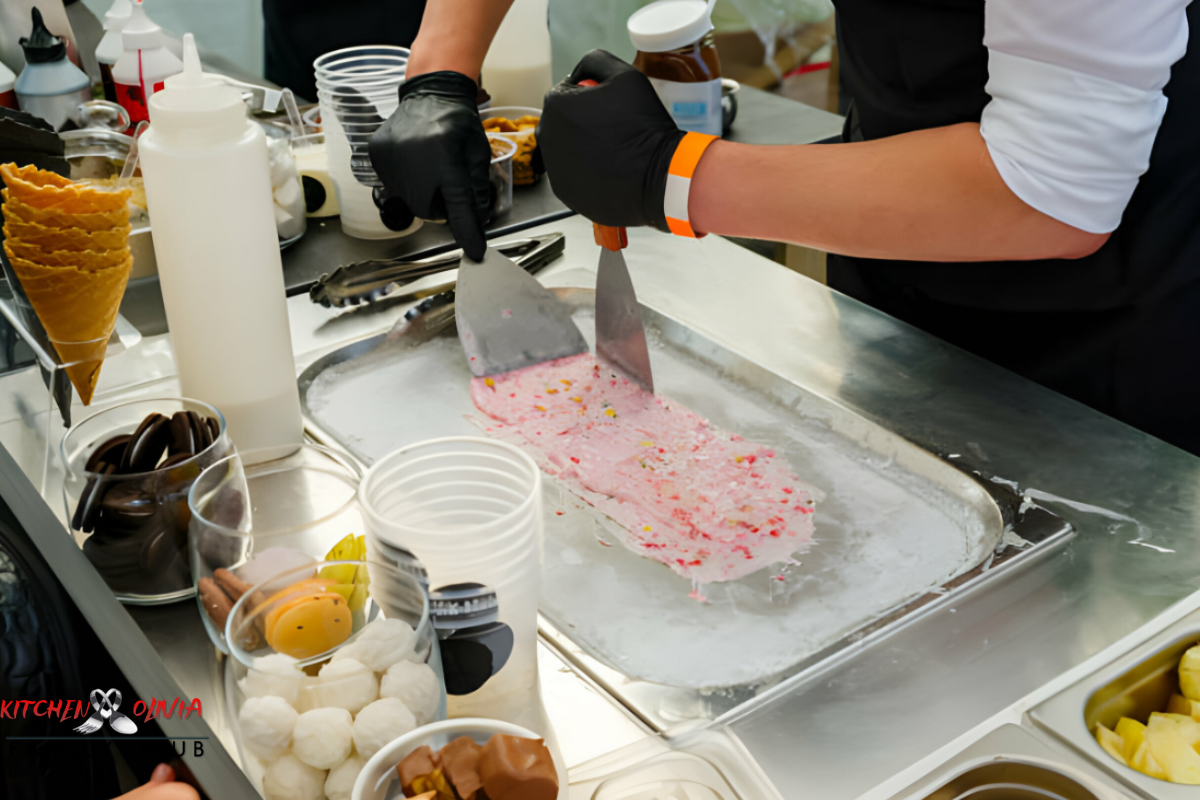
470,510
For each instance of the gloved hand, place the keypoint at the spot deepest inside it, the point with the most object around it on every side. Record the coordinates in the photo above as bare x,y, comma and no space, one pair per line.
607,148
434,159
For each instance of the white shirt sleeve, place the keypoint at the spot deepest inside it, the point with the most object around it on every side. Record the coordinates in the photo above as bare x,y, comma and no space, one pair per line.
1076,88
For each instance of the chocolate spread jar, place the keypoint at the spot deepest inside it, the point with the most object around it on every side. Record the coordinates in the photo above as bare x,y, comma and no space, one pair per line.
675,47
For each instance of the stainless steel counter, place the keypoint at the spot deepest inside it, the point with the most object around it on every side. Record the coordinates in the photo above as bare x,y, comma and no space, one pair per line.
840,728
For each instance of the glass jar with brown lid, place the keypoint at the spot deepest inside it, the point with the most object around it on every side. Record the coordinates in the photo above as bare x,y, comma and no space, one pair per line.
676,52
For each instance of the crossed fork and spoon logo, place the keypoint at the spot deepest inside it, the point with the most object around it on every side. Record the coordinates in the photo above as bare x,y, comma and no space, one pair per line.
106,705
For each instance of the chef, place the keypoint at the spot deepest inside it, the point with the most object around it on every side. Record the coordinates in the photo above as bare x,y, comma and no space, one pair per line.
1019,177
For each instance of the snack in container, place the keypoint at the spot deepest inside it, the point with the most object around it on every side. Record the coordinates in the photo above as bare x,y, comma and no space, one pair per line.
74,266
520,125
464,758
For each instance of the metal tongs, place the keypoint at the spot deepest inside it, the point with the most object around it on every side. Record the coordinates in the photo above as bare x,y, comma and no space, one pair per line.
368,281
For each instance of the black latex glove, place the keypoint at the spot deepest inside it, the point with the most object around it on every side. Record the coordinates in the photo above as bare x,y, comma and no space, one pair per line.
607,148
434,158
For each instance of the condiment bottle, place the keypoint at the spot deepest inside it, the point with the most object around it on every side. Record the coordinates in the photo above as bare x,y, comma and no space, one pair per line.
144,65
516,70
111,46
209,185
50,86
676,52
8,96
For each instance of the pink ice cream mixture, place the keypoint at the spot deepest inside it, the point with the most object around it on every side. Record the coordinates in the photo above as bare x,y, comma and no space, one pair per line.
703,501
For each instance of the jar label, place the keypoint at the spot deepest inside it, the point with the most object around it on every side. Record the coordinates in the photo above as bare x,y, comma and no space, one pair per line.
135,98
695,107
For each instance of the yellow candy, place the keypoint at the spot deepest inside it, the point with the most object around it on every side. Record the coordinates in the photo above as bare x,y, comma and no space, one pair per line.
310,625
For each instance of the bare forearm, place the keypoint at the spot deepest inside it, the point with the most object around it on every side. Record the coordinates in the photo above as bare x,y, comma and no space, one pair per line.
931,195
455,35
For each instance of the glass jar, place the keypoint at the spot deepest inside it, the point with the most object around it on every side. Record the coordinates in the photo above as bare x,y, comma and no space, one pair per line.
688,81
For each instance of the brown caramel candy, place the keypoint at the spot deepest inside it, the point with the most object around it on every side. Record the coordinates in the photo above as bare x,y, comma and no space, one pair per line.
460,763
419,763
516,768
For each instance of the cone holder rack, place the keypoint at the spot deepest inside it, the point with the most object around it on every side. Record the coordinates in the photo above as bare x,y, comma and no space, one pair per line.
15,309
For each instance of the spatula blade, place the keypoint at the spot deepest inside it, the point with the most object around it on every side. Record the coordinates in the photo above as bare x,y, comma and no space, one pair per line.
507,320
620,336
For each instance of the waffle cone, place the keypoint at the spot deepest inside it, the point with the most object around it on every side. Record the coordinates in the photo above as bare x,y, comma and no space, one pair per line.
42,189
78,309
16,210
51,239
86,260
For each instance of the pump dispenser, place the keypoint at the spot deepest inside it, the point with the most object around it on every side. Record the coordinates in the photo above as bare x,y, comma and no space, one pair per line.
144,65
208,184
50,86
111,45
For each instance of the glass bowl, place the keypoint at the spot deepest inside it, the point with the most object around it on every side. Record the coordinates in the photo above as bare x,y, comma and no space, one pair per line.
250,518
134,525
258,669
380,781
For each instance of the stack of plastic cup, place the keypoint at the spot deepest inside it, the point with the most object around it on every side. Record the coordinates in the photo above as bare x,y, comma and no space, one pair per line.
358,88
471,511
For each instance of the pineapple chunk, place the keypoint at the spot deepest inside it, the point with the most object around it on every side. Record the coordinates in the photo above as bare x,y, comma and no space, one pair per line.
1113,744
1181,705
1187,727
1189,674
1173,752
1146,764
1132,733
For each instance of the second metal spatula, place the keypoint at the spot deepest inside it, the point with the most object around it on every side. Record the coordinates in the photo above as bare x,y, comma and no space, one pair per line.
620,337
507,320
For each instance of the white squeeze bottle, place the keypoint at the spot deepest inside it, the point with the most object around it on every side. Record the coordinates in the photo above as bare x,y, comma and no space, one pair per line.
209,185
516,71
111,46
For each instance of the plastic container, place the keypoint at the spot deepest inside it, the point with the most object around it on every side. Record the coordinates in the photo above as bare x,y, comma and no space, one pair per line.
379,781
516,70
675,48
470,511
526,141
208,180
111,45
312,163
50,86
501,174
357,88
139,538
8,95
286,188
306,501
144,65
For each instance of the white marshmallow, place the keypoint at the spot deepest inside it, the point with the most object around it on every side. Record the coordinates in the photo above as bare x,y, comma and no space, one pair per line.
322,737
381,644
380,723
416,685
347,684
289,778
276,675
266,724
339,785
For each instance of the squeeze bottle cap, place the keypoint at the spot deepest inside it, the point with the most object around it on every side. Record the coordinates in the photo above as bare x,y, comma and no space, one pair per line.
669,25
140,32
195,106
117,15
42,46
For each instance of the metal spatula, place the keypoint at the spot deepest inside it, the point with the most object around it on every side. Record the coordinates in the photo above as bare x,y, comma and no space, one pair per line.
507,320
620,337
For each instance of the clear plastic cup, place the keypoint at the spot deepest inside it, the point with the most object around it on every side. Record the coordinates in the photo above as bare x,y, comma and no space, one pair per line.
240,507
357,89
501,175
483,556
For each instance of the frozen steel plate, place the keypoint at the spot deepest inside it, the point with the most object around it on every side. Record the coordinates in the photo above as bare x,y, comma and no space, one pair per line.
898,531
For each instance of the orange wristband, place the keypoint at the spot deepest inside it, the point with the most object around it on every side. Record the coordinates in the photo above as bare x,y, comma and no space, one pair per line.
679,182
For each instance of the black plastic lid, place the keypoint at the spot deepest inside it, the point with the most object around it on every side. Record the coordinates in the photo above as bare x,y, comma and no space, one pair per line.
42,46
